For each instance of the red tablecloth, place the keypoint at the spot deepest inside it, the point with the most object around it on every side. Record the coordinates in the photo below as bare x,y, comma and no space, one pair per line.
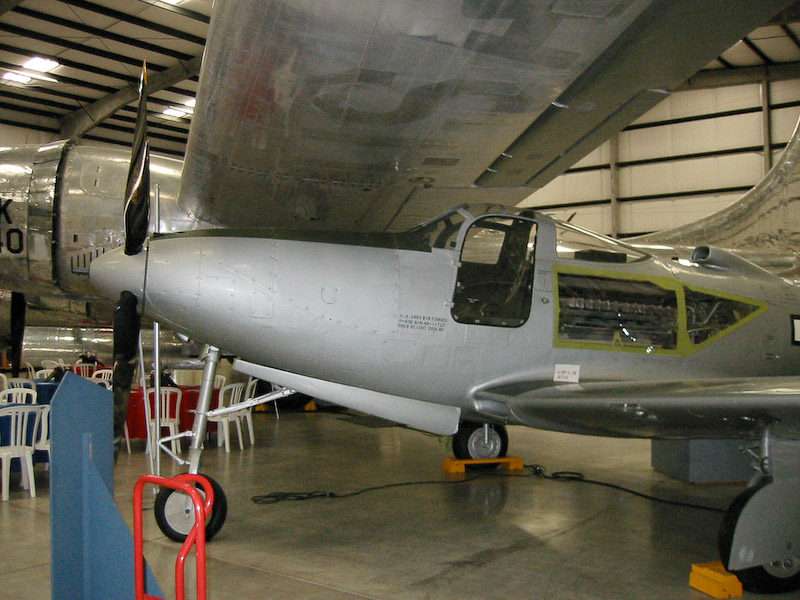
137,427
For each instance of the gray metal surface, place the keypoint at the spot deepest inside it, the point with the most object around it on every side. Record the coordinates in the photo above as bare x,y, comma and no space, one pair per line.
372,115
383,319
27,179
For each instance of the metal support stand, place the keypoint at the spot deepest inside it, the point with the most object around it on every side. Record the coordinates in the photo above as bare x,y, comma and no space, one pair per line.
156,397
201,506
203,404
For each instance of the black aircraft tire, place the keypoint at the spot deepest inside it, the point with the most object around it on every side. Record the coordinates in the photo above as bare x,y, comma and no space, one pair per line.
768,579
468,442
175,515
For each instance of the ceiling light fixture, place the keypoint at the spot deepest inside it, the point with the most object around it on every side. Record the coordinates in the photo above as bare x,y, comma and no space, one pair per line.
43,65
26,76
175,112
18,77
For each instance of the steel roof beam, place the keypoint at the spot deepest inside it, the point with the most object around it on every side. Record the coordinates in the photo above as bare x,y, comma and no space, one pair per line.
102,33
65,62
715,78
51,39
184,12
7,5
77,123
757,51
134,20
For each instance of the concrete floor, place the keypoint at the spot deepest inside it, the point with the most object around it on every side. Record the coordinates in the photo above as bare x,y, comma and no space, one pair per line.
492,538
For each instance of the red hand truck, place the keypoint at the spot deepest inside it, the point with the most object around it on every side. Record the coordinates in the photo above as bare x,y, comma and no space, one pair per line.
197,535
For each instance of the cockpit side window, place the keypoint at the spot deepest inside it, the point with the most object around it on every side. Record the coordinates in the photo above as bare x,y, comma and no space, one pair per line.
495,278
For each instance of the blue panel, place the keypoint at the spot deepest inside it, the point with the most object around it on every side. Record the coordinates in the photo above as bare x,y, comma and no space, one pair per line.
91,547
109,544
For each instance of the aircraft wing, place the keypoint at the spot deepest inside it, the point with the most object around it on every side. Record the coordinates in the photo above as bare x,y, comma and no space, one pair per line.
374,115
713,408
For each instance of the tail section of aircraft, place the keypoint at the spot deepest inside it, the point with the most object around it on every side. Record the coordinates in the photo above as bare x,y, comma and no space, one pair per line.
764,222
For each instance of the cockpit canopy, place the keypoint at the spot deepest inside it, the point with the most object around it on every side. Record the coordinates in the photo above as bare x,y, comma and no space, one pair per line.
572,242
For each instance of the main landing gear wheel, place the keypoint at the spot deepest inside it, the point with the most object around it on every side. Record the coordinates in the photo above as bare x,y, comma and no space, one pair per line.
471,442
773,578
175,512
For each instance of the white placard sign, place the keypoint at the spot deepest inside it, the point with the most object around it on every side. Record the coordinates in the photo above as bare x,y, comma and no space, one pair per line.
567,373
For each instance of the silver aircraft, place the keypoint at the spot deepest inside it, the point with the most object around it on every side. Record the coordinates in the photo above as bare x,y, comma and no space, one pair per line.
497,316
332,128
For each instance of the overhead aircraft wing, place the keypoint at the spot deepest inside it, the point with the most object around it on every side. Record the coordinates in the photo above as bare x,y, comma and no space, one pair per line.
712,408
374,115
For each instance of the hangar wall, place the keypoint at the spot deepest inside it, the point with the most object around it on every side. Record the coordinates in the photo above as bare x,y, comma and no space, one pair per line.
12,135
694,153
17,136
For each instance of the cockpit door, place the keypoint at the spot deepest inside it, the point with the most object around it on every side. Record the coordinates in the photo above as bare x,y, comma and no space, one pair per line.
495,274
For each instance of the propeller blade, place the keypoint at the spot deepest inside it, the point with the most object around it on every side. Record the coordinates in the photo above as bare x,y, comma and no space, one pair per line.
137,189
17,331
127,324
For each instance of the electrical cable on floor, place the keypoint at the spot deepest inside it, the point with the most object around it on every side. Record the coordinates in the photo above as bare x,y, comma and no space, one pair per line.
540,471
535,471
275,497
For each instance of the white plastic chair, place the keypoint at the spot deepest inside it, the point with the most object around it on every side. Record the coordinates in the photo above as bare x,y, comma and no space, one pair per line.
229,395
43,373
49,364
20,395
106,383
250,392
43,432
170,406
17,446
127,437
18,382
246,414
84,369
219,381
3,382
31,370
103,374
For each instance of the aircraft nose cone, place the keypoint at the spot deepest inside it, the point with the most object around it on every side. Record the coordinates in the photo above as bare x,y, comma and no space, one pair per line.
114,271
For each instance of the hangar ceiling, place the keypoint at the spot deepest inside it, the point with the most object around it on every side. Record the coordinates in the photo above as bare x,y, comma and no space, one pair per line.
99,46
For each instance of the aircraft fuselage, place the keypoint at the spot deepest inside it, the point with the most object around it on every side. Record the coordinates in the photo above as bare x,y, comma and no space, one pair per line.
443,311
